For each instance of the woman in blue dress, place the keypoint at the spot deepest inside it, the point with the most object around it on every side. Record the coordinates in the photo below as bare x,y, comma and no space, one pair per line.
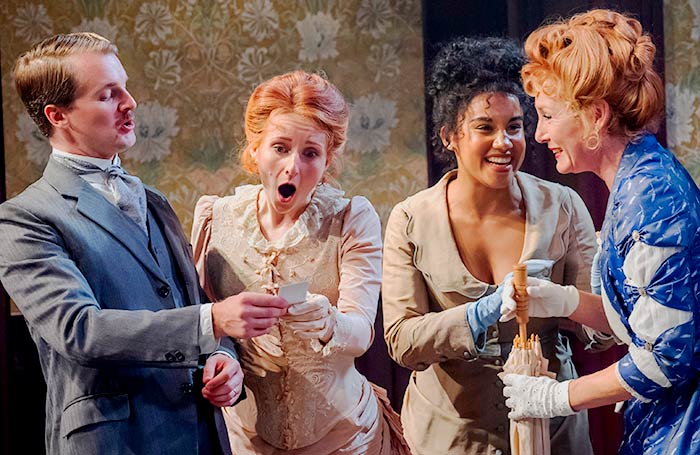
599,102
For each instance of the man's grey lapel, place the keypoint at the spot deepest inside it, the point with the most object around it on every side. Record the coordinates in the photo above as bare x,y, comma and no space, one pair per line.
95,207
172,230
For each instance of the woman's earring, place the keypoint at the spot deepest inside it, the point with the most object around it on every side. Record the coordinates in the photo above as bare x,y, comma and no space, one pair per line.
593,141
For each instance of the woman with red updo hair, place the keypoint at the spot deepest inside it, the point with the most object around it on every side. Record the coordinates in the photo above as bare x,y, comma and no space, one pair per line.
304,394
599,101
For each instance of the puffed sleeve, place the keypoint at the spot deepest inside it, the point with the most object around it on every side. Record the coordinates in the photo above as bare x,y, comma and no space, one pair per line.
656,237
201,234
360,278
416,337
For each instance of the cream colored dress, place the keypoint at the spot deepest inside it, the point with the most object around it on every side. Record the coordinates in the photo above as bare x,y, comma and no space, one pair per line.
454,401
303,397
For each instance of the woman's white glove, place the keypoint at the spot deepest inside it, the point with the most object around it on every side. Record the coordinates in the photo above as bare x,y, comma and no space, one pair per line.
313,318
546,300
536,396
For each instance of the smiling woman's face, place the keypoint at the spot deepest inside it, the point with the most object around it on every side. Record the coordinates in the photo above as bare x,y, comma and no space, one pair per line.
291,159
560,128
490,145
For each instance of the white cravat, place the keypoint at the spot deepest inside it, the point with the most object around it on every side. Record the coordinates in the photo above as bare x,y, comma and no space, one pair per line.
109,179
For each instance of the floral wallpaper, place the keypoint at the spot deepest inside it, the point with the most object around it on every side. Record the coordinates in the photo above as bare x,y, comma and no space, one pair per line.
193,63
682,50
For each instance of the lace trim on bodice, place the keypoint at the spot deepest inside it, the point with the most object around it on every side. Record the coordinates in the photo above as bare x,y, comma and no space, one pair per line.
326,201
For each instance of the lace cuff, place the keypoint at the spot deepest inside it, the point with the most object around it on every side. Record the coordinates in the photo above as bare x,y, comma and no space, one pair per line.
629,388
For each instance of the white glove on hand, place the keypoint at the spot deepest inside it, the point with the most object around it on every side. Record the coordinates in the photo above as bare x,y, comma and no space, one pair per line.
313,319
547,299
536,396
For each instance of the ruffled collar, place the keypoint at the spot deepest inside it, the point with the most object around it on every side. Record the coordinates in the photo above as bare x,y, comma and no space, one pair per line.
326,201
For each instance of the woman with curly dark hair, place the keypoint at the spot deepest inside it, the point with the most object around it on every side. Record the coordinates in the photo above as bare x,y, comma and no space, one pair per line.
447,249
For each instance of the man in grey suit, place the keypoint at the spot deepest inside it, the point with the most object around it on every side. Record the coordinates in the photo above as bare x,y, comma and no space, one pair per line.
98,264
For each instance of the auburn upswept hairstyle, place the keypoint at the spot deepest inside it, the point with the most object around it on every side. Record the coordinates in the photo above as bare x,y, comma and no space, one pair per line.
305,94
599,54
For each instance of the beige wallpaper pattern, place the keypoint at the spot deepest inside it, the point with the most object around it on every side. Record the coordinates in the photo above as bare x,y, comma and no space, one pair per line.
193,63
682,51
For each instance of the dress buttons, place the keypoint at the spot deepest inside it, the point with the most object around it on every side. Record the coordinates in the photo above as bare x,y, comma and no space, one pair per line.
500,406
494,334
498,362
179,356
187,388
635,236
169,357
498,452
501,428
164,291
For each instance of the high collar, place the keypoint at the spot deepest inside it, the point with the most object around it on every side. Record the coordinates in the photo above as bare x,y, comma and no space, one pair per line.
326,201
102,163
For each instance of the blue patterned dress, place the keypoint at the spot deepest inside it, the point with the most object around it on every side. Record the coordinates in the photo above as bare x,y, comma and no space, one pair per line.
650,270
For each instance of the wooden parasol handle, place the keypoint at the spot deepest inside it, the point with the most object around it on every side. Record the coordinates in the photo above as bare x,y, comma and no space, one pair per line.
521,298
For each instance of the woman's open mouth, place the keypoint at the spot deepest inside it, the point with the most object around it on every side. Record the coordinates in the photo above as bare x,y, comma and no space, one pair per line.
286,191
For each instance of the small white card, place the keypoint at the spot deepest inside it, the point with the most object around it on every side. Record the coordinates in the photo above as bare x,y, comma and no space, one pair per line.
295,292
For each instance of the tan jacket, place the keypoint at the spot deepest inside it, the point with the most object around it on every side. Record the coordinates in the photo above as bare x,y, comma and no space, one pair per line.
454,402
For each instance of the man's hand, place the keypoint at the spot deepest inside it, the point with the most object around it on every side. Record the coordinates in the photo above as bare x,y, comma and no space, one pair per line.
223,380
247,314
